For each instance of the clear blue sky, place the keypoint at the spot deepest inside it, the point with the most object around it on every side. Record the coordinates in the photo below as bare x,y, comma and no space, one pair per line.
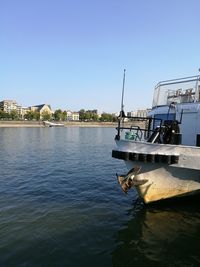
71,53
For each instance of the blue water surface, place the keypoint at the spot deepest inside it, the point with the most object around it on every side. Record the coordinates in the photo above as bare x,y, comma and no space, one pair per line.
61,205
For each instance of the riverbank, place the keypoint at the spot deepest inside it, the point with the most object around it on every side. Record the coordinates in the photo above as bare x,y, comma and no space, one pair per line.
66,124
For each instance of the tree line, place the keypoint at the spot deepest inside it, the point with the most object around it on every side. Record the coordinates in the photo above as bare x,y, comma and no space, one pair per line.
92,116
30,115
58,115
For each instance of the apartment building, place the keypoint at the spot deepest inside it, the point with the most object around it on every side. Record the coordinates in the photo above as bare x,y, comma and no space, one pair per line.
9,105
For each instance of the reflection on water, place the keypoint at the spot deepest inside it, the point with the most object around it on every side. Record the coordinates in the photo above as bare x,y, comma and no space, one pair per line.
161,235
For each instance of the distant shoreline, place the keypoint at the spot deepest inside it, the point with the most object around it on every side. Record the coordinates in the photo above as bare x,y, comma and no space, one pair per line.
30,124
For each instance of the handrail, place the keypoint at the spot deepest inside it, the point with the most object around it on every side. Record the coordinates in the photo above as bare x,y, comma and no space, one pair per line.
179,80
147,130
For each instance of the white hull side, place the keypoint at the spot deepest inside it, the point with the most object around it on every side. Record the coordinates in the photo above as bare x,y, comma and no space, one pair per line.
51,124
189,156
165,181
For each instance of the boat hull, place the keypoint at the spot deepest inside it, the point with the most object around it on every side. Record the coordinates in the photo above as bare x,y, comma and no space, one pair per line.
165,181
171,171
165,144
52,124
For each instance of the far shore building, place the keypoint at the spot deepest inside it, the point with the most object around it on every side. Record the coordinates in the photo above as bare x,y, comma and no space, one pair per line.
141,113
8,105
72,116
132,114
24,110
94,111
11,105
43,108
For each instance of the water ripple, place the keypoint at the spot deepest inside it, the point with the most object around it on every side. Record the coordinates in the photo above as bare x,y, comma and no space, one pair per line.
61,205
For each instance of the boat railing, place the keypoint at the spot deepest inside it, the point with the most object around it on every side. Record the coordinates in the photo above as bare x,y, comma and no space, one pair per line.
137,128
182,90
152,130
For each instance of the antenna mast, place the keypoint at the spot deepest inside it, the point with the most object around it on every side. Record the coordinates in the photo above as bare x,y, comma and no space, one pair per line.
122,102
121,114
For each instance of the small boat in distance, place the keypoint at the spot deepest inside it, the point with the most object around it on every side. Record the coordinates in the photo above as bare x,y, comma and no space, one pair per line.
52,124
162,151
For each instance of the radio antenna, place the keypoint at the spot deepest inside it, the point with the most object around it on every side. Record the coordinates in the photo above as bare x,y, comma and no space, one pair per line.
121,114
122,101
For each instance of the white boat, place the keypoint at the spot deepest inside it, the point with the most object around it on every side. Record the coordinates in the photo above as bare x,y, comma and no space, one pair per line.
52,124
162,152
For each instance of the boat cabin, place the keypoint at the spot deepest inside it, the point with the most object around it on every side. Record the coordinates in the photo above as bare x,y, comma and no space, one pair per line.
175,115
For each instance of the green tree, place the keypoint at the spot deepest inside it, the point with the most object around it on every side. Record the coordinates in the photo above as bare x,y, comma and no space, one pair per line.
3,114
94,117
14,115
36,115
108,117
87,116
32,115
64,116
114,118
45,115
29,115
82,115
58,115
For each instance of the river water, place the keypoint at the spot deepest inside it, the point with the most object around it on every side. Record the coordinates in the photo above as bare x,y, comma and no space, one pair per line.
60,205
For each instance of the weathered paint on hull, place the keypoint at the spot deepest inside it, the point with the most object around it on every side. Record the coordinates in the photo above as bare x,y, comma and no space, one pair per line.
165,181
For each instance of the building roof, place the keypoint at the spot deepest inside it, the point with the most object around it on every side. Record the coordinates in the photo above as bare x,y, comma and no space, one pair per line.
41,106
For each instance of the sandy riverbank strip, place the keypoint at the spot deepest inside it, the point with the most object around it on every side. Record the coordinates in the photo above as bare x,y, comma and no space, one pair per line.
66,124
